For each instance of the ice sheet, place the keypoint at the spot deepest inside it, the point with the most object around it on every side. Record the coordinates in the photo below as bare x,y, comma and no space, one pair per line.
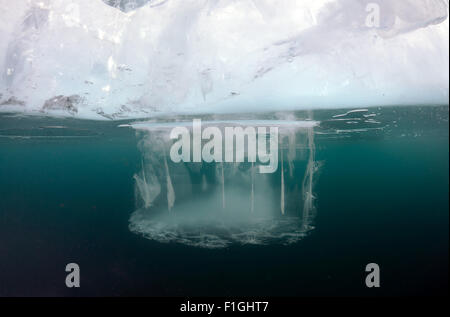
219,56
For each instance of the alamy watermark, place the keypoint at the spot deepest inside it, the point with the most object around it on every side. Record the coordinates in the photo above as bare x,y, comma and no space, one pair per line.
262,144
373,16
373,278
73,278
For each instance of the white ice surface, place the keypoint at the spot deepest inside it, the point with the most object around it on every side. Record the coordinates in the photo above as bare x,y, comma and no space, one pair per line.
189,56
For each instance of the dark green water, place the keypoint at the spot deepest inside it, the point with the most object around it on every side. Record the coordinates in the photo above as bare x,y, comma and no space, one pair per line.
66,195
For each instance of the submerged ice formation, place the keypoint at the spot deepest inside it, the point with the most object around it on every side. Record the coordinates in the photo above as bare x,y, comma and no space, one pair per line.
217,204
219,55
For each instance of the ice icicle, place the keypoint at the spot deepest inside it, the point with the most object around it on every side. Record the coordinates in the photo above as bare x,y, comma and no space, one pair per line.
307,185
148,190
204,183
291,152
223,187
252,197
170,191
282,184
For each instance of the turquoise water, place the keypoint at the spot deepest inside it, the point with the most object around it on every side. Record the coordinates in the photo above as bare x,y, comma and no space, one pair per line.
68,194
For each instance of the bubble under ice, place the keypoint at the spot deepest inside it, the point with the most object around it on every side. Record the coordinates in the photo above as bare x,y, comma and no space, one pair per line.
215,205
217,55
